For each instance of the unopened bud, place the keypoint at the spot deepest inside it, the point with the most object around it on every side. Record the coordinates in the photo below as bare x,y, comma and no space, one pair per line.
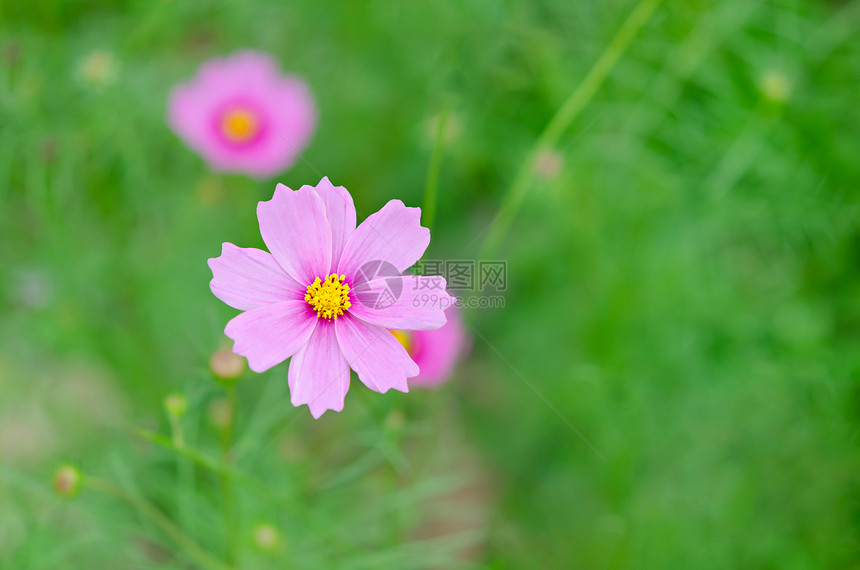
48,149
175,405
775,86
67,480
98,69
451,129
547,164
226,366
267,538
12,54
33,288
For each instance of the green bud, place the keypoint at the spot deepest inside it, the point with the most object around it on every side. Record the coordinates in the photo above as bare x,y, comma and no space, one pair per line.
67,480
175,405
548,164
775,86
267,538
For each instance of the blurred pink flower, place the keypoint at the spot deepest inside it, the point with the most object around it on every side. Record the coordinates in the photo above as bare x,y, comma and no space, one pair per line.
328,292
436,352
241,115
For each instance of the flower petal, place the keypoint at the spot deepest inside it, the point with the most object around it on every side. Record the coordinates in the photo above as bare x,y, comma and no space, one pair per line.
254,68
405,302
296,231
319,374
378,358
393,234
340,212
437,352
292,118
270,334
247,278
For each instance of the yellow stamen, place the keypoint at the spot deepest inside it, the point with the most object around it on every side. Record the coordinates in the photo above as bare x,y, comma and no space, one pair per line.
329,298
239,125
403,337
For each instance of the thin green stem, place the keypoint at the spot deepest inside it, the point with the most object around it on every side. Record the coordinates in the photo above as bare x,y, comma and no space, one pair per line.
176,431
840,27
565,115
210,464
227,491
741,155
147,509
184,469
431,189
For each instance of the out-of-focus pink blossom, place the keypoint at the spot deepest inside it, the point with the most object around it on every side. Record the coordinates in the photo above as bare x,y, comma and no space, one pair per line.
241,115
436,352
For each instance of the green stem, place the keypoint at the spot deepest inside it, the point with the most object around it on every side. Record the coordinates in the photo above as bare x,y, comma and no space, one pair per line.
191,548
184,470
431,189
565,115
742,153
227,492
199,458
176,431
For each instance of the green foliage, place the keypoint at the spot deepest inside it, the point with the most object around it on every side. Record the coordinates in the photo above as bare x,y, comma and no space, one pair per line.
672,382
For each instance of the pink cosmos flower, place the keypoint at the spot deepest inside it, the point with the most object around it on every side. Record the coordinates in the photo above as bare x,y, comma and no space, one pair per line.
241,115
328,292
436,352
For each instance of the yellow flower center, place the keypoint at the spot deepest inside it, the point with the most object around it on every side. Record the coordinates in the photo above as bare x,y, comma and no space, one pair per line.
329,298
239,125
403,337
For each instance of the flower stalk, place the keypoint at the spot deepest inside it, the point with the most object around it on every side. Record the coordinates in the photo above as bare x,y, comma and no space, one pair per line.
193,550
431,189
565,115
227,490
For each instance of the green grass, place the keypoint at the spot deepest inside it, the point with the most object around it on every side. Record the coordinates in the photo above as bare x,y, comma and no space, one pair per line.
672,382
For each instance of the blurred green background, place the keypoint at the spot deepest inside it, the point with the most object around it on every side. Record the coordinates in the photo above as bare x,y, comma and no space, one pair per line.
672,382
